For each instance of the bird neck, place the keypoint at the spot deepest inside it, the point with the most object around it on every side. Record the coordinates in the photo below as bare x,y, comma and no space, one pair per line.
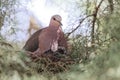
53,28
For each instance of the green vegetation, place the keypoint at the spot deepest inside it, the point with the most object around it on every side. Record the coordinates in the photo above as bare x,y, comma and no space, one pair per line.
94,56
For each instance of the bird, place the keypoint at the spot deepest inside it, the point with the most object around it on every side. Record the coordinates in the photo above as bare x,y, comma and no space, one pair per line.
49,38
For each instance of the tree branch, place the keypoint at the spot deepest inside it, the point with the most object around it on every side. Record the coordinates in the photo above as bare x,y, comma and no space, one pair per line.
94,20
69,33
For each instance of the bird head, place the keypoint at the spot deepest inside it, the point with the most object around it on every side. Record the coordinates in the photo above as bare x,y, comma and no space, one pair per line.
56,21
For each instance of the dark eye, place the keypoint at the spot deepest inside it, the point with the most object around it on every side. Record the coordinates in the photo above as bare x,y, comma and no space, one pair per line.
54,19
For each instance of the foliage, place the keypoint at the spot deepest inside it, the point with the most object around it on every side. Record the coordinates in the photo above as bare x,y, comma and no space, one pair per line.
98,60
6,10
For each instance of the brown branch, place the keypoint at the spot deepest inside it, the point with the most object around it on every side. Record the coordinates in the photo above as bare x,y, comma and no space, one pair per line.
94,20
69,33
93,25
111,5
5,44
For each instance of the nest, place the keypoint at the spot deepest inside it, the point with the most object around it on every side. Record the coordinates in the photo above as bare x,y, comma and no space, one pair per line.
52,62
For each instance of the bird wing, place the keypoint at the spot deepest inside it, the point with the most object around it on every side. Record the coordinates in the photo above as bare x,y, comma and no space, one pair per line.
32,43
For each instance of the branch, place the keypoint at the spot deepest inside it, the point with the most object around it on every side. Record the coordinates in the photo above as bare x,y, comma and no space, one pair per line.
94,20
6,44
111,5
69,33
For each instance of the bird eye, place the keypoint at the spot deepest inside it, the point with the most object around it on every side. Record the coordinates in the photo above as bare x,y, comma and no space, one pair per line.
54,19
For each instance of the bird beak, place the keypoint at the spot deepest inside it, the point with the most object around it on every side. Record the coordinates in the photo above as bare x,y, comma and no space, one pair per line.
61,24
58,21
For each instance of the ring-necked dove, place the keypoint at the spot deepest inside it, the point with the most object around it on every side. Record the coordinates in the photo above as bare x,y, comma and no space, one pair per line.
49,38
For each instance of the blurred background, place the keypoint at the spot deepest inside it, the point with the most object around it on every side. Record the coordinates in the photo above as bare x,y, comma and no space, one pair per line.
91,26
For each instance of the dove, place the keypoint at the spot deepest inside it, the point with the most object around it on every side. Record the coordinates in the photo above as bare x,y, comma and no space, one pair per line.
49,38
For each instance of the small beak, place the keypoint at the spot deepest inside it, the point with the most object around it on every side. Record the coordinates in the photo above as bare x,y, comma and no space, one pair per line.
61,24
